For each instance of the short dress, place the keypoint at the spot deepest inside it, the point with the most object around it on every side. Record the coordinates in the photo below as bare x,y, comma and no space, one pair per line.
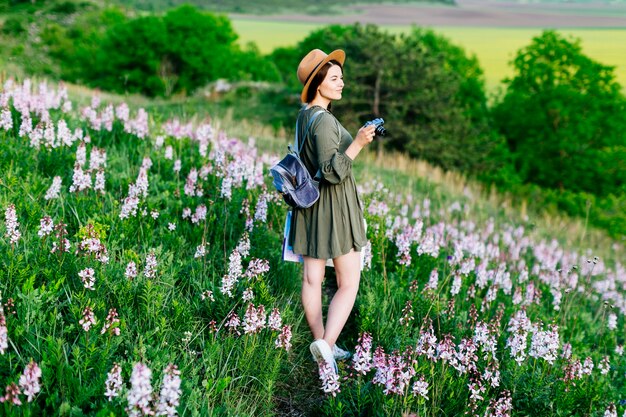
333,226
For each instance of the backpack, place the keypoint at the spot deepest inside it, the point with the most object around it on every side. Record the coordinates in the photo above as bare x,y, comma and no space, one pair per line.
292,179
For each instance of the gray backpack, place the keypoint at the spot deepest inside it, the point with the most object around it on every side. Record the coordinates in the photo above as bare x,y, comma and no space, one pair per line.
292,179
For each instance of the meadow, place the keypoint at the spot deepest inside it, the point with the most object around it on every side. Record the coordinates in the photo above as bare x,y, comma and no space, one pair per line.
494,47
141,275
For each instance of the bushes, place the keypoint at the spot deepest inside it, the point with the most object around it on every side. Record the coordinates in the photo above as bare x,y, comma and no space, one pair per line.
179,52
13,27
152,55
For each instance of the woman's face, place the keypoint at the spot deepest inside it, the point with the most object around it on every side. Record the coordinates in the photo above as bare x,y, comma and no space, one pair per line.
332,85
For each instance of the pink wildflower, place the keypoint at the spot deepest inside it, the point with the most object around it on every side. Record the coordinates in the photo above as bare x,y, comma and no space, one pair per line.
46,226
151,266
100,181
62,244
29,381
260,211
545,344
233,322
87,276
257,267
501,407
199,215
81,154
254,319
122,112
330,380
610,411
394,372
604,366
362,359
6,120
612,322
12,394
433,280
26,127
12,225
421,388
140,393
88,320
113,383
54,190
234,273
275,321
284,338
131,270
4,335
407,314
200,251
247,295
110,322
169,396
190,183
243,247
81,180
587,367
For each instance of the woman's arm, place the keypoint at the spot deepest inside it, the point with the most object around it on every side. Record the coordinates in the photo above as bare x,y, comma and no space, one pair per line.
335,166
363,138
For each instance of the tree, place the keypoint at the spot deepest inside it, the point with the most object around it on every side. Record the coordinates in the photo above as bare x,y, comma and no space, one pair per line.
430,94
564,118
177,52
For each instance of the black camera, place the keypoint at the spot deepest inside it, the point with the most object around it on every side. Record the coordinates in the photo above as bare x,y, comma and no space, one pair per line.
380,129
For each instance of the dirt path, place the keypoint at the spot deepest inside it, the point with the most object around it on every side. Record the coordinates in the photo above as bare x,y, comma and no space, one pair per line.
471,13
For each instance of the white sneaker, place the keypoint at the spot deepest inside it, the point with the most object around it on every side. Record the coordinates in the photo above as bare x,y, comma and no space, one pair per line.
322,352
340,354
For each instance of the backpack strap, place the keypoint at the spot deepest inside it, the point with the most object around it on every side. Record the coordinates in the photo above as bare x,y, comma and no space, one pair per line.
306,132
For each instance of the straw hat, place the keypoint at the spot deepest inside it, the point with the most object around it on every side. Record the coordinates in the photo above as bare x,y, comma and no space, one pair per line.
312,63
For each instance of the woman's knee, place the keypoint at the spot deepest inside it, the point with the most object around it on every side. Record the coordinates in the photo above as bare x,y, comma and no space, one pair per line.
348,268
313,272
312,278
349,281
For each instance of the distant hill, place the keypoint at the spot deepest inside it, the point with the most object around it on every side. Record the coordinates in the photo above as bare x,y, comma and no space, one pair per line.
332,7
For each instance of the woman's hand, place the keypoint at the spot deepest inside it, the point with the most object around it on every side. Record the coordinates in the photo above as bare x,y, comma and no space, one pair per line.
364,137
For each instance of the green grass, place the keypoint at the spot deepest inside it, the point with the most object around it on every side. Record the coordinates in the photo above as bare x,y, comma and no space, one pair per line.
494,47
245,375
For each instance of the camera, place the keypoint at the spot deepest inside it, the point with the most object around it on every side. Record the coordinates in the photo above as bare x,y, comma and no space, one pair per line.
380,129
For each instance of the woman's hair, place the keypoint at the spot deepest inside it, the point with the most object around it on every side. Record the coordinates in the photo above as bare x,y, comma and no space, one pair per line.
317,80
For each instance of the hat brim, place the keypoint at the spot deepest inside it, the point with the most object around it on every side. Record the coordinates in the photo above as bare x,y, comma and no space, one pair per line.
336,55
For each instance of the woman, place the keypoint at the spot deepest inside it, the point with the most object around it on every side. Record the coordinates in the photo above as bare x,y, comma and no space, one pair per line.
333,227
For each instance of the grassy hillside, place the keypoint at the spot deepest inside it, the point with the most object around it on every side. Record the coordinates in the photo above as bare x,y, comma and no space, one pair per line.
466,304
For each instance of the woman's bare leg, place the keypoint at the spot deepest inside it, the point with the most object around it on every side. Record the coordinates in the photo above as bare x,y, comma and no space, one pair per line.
348,269
312,294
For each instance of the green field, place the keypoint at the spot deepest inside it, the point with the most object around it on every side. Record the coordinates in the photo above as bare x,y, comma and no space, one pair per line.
494,47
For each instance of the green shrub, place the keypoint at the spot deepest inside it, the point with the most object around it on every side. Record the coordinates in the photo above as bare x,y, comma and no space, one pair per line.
178,52
13,27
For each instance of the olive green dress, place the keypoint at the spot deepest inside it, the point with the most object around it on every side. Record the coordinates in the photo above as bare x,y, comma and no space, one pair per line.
334,224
